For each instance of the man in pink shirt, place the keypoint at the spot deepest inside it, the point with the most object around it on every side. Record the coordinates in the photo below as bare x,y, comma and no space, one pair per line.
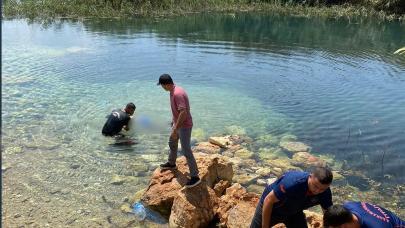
182,124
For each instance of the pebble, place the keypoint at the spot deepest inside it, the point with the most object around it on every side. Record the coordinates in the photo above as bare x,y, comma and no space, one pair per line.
74,166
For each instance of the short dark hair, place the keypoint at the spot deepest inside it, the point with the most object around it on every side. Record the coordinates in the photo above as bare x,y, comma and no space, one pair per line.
131,106
323,174
336,215
165,79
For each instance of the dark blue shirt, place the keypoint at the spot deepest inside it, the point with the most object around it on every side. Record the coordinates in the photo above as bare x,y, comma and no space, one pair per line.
115,122
292,192
371,216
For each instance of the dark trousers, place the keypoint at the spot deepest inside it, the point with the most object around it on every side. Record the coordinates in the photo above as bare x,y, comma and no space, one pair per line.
291,221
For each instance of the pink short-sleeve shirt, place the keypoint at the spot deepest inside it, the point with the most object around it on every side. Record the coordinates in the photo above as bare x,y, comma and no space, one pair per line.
179,101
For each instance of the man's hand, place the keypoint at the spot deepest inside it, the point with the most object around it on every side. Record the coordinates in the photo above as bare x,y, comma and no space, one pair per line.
174,135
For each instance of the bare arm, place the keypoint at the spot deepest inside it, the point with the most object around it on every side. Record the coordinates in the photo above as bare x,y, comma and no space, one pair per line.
180,120
179,123
268,203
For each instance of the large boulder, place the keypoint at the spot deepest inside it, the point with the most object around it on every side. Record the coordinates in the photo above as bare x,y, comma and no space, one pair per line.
242,213
194,207
164,186
236,208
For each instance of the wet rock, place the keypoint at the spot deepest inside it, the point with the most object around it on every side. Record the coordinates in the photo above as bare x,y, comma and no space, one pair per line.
222,142
126,208
245,178
258,189
263,172
119,180
281,163
307,160
270,153
244,154
206,147
261,182
277,171
193,207
164,186
295,146
271,180
74,166
56,190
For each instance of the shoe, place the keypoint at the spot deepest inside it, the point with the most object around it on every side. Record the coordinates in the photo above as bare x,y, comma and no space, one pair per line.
167,166
193,182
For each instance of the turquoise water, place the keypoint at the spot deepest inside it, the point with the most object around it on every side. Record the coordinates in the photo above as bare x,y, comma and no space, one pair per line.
335,84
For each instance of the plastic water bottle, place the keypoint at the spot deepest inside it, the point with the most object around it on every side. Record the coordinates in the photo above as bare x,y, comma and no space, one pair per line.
139,211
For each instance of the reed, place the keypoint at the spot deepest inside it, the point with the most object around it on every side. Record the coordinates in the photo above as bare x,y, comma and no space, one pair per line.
384,9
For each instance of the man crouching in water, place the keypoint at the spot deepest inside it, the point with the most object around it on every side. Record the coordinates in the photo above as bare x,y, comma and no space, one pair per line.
118,120
284,200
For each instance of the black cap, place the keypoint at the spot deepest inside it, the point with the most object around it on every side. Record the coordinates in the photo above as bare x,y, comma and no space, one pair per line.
165,79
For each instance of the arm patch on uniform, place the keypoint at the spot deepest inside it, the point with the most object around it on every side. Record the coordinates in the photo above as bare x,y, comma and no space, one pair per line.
282,188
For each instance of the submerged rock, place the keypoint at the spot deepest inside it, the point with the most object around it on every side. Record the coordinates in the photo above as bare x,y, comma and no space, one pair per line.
235,130
288,138
244,154
307,160
295,146
198,134
119,180
245,178
281,163
271,153
267,140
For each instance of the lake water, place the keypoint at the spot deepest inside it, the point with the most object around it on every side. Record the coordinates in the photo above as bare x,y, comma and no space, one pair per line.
335,84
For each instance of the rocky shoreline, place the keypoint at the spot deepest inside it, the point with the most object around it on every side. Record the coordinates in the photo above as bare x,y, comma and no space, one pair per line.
220,200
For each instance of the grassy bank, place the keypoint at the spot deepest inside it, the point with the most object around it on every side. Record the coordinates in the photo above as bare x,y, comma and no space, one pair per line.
383,9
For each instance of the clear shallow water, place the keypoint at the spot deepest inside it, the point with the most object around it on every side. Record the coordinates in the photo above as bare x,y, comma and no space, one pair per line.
334,84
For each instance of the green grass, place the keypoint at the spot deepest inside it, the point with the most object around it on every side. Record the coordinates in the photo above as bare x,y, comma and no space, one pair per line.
45,9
